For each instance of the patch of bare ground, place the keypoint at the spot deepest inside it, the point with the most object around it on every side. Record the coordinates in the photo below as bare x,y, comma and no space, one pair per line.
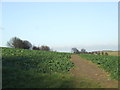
86,69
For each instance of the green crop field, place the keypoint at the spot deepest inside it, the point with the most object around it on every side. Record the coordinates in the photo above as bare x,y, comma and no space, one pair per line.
109,63
23,68
39,69
39,61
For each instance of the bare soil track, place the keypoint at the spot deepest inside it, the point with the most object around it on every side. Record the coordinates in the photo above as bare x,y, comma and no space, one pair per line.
87,69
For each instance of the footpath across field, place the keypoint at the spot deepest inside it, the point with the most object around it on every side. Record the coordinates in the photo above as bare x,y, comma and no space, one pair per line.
90,71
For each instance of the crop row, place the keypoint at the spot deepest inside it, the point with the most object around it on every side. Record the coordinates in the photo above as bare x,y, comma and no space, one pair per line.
39,61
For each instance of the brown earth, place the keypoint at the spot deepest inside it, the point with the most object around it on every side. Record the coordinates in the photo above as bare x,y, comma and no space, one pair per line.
86,69
112,53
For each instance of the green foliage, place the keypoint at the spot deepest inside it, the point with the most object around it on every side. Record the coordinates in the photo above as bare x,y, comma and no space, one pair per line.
32,68
39,69
108,63
40,61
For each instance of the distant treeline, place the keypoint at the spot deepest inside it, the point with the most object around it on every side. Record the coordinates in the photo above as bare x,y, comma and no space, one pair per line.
83,51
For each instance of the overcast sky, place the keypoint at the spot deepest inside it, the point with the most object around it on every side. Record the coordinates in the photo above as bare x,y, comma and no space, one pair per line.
62,25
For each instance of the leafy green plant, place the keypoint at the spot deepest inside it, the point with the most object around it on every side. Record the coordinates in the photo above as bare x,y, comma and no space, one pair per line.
28,68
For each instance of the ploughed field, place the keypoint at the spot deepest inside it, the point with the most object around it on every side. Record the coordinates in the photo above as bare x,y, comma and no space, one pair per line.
109,63
33,68
112,53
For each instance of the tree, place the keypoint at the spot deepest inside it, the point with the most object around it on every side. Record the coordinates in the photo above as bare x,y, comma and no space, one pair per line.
15,43
26,44
106,53
45,48
18,43
35,48
83,50
75,50
102,53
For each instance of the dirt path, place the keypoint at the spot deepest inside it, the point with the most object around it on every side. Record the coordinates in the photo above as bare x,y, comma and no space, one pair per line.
87,69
